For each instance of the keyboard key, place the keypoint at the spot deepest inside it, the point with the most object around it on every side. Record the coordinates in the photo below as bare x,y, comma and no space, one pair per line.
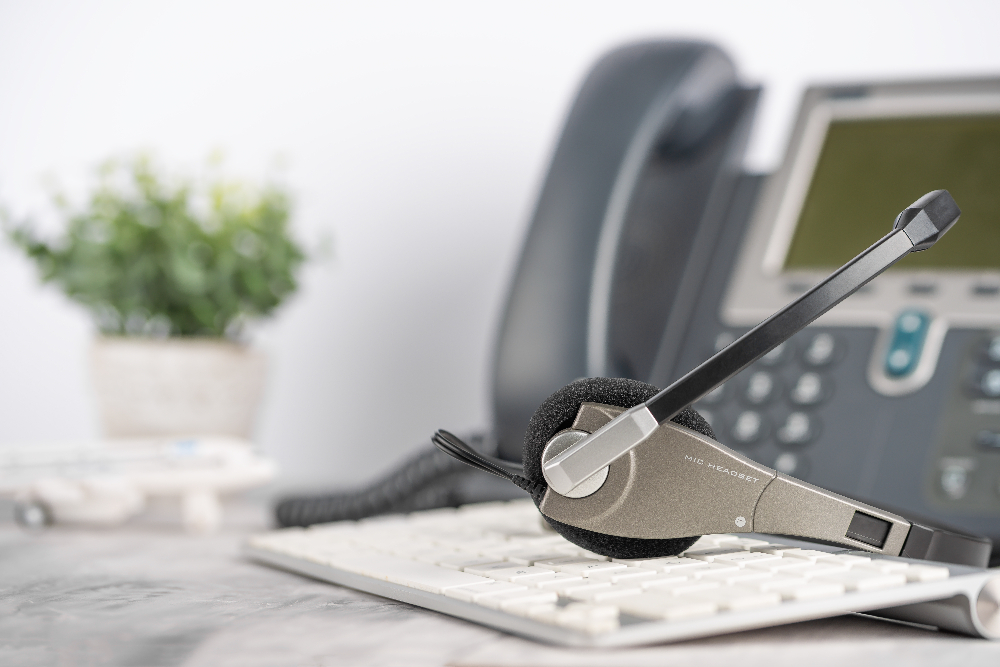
462,561
591,610
547,540
736,598
507,571
563,560
534,581
849,560
884,565
710,541
774,548
712,553
662,579
811,590
736,576
682,566
449,539
500,552
488,546
323,555
587,567
749,543
668,607
516,598
529,557
531,609
585,622
778,581
566,588
605,593
637,562
810,555
403,571
713,569
926,573
515,533
668,564
629,574
862,580
743,558
782,565
557,579
481,568
476,591
823,569
689,586
432,556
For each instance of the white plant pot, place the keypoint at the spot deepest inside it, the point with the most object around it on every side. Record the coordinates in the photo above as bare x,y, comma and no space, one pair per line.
176,386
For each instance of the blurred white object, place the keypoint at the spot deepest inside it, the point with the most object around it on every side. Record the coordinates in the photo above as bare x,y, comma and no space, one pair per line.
107,482
163,387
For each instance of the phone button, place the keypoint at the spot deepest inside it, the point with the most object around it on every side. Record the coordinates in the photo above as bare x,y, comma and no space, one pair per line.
777,355
809,389
907,343
956,476
792,464
749,427
797,429
987,439
993,350
760,388
955,481
714,396
821,350
989,383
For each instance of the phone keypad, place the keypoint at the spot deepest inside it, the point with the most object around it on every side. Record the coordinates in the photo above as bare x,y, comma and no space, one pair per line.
777,400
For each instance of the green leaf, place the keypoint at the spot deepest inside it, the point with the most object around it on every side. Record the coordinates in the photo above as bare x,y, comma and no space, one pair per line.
145,259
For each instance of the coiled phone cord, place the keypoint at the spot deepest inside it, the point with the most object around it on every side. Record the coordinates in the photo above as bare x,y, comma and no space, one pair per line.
425,481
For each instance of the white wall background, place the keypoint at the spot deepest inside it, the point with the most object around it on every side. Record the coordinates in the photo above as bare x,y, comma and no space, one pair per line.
415,133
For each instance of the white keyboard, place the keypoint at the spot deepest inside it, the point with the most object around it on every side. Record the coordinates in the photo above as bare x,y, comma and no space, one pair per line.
497,564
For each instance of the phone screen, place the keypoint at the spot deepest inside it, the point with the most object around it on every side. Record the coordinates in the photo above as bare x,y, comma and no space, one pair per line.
871,169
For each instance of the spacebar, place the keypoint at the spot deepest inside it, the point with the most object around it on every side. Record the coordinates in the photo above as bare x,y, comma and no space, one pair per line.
393,569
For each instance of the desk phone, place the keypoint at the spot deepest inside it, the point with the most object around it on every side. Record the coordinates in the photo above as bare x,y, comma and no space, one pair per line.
650,248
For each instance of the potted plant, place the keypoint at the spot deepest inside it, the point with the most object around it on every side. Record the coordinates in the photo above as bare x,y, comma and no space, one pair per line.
171,272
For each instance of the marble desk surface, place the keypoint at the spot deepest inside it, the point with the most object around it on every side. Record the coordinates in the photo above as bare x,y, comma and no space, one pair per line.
147,595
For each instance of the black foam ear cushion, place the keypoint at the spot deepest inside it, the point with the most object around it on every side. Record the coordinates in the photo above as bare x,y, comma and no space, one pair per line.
557,413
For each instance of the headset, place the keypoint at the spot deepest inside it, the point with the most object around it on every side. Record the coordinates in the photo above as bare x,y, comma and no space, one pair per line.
625,470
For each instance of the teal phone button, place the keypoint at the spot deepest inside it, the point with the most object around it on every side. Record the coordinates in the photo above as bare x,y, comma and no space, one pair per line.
907,343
